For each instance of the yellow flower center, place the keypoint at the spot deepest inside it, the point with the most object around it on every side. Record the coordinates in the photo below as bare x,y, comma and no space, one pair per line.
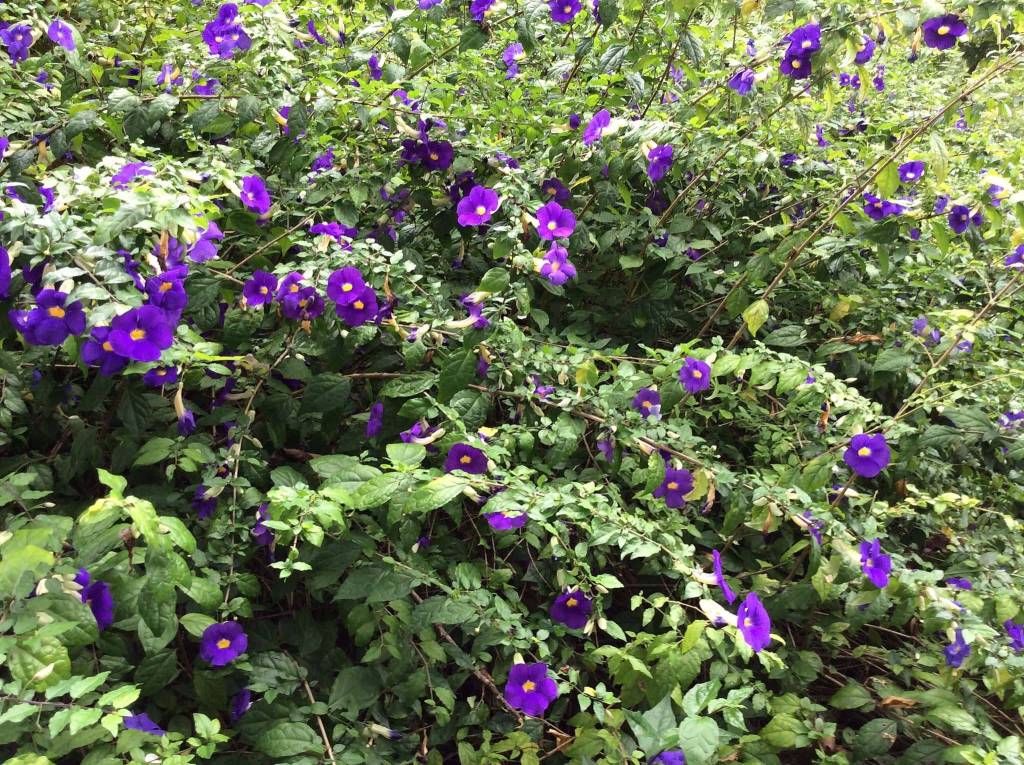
137,334
108,347
943,30
697,374
529,685
748,622
56,312
552,191
358,305
223,643
161,373
465,459
263,290
555,266
567,9
646,404
433,156
218,39
864,452
796,63
572,602
303,302
672,486
552,225
294,288
805,44
480,209
346,287
164,286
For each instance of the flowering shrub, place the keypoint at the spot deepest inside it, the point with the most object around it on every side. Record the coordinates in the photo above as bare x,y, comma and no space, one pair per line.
510,380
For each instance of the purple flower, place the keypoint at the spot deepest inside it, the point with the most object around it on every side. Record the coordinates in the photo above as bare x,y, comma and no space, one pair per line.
5,143
865,51
129,172
375,70
753,622
142,722
940,204
167,292
727,592
425,5
742,81
323,161
511,56
941,32
375,424
572,609
960,583
788,160
875,564
141,333
475,311
437,155
5,273
254,194
61,34
345,285
867,455
751,49
555,221
340,233
695,375
574,121
240,704
804,40
607,448
98,597
205,247
592,133
529,689
98,352
260,532
648,402
466,458
222,643
224,35
877,209
659,162
51,321
17,40
796,65
564,11
477,207
259,290
1013,260
677,484
555,190
957,651
669,757
911,172
304,304
814,525
203,505
996,194
159,376
208,87
480,8
187,426
1016,633
959,218
504,521
819,133
362,308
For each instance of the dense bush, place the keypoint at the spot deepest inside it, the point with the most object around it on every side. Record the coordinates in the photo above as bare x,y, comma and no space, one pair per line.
500,382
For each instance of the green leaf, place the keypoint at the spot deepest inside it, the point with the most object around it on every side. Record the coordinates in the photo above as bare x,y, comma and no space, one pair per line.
407,386
853,695
699,696
406,455
327,392
196,624
698,738
22,567
473,37
888,181
377,490
157,602
437,493
495,280
443,610
893,360
375,583
120,697
355,689
458,372
39,662
287,739
875,738
755,315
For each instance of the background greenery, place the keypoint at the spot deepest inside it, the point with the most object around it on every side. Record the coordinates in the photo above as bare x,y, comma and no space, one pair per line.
384,619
